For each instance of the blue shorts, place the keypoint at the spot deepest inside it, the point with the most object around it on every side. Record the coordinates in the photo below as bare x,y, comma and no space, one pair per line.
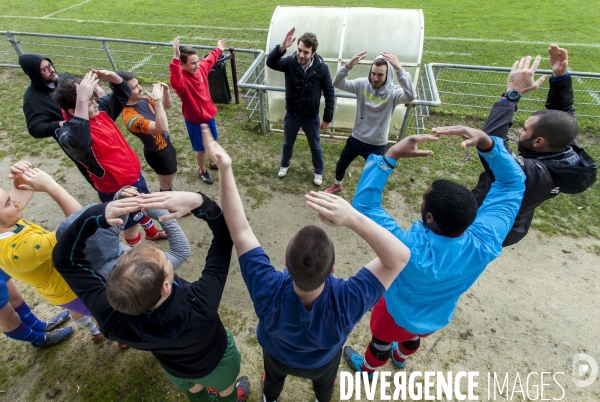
4,277
134,217
195,133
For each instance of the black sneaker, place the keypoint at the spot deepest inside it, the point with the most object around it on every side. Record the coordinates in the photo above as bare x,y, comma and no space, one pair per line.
56,321
54,337
205,177
242,387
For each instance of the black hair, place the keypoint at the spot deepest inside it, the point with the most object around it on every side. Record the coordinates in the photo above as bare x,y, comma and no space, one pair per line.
453,206
558,128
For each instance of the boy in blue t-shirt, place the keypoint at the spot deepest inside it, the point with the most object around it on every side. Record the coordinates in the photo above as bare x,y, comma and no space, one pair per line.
305,313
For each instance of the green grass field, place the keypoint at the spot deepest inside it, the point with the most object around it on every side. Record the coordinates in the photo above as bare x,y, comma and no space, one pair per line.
465,32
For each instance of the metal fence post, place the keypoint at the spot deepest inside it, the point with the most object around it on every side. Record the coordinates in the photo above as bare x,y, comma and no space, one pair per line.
263,123
409,108
112,62
15,43
234,78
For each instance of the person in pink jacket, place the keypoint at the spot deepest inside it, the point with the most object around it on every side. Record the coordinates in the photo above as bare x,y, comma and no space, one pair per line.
189,80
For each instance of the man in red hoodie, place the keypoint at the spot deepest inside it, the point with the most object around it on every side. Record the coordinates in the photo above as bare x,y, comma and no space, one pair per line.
189,80
91,137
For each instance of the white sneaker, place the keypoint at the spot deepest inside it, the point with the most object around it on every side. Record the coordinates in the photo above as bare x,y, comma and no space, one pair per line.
318,179
282,171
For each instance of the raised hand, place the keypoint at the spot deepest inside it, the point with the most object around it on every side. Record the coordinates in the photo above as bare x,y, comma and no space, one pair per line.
99,91
85,88
17,169
559,60
178,203
176,52
288,41
221,44
409,147
214,150
356,59
37,180
331,209
393,60
108,75
157,91
471,136
115,209
521,75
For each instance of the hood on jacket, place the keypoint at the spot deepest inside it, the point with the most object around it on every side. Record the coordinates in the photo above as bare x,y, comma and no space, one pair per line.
389,80
30,63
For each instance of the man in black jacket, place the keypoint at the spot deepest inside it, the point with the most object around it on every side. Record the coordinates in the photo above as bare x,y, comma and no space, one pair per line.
548,151
42,114
306,77
146,306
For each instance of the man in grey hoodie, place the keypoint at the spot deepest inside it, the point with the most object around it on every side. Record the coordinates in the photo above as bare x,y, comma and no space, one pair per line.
376,100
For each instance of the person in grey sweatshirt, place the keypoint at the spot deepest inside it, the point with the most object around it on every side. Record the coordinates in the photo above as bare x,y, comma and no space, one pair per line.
376,100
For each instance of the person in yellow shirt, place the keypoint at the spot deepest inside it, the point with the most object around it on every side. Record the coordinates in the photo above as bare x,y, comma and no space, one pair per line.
26,248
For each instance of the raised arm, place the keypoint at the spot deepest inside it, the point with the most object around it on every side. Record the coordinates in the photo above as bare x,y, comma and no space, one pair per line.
340,81
114,102
38,180
275,59
167,98
175,74
368,197
392,254
405,91
160,123
242,235
496,215
560,95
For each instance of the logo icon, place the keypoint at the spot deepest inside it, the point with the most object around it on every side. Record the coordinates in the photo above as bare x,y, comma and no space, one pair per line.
584,370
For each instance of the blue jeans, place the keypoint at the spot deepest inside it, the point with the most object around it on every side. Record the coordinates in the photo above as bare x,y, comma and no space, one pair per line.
310,126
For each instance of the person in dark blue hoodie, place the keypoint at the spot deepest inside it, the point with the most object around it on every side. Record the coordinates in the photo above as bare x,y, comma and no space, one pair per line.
42,113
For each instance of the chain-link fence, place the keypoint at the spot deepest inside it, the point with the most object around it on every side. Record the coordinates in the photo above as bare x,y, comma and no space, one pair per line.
472,90
78,54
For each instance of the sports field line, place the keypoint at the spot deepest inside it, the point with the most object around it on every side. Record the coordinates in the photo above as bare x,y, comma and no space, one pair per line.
226,39
446,53
141,63
522,42
65,9
133,23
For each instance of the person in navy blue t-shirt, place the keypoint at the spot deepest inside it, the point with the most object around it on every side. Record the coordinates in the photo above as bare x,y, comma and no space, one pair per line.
305,313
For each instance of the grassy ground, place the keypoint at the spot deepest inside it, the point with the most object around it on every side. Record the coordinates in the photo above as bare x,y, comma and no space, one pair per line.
257,156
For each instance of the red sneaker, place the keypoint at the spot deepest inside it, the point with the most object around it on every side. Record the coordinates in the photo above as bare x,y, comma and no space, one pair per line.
160,235
333,189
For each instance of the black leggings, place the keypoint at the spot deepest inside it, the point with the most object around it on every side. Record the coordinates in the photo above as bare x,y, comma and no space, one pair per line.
322,378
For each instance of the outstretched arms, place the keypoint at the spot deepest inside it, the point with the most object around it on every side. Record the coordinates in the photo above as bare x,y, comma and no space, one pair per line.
29,179
242,235
392,254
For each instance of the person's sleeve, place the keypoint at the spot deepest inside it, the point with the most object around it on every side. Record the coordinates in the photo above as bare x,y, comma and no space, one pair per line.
261,278
368,197
179,246
209,61
329,94
39,123
360,293
276,61
135,122
500,119
70,262
114,102
342,82
209,288
404,92
34,250
75,137
560,94
497,214
176,77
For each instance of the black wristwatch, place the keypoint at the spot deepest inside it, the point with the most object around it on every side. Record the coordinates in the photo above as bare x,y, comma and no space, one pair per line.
513,95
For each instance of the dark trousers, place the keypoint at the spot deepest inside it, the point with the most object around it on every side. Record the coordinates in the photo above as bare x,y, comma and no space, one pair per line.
310,125
352,149
322,378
